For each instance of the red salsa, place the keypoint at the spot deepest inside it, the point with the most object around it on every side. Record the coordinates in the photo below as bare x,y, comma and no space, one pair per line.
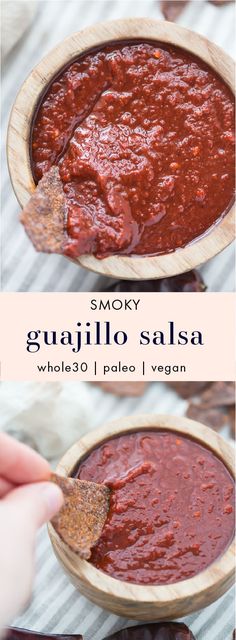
171,508
143,134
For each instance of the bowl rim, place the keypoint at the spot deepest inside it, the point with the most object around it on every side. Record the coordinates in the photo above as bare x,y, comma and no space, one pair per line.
201,249
220,572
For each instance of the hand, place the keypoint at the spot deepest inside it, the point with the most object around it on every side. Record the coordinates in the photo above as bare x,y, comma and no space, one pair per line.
27,500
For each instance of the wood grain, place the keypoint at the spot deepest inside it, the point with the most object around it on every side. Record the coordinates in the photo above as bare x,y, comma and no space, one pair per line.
202,249
137,601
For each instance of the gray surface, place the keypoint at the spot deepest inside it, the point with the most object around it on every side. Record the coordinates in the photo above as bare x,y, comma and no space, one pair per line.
56,605
22,268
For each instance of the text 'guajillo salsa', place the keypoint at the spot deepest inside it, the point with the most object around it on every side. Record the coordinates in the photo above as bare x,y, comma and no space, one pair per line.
171,507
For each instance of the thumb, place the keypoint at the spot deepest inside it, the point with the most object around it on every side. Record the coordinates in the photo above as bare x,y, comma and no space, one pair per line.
36,503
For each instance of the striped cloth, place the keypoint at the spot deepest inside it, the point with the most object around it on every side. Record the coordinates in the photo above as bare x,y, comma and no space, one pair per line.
57,606
22,268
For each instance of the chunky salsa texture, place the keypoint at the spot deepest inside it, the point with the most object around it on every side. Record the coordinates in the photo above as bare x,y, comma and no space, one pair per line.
143,136
171,507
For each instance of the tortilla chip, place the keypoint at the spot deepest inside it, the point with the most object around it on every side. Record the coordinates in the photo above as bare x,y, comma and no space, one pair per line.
44,216
81,519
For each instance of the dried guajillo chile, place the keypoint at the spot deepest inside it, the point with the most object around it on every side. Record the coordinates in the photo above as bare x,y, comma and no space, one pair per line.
210,416
232,421
188,389
191,281
184,389
13,633
219,394
121,389
172,9
212,403
220,2
155,631
214,406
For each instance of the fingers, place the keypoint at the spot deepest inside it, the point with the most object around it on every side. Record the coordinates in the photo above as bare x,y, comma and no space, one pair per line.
35,504
5,487
22,511
19,464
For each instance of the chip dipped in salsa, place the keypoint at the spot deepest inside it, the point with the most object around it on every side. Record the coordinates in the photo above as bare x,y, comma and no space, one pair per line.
143,136
171,506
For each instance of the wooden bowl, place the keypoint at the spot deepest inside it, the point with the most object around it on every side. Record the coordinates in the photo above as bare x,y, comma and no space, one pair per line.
135,267
132,600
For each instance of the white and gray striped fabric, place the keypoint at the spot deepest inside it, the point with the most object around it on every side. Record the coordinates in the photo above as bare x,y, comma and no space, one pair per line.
22,268
56,605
